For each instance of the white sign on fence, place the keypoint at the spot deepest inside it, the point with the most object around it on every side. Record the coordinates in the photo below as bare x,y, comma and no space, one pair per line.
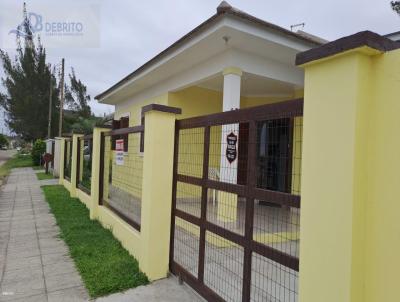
119,152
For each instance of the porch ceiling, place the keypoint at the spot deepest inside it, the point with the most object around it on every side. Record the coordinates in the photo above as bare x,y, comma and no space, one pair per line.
253,86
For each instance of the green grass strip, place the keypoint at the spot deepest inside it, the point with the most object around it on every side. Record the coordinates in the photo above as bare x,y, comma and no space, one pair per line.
43,176
18,161
105,266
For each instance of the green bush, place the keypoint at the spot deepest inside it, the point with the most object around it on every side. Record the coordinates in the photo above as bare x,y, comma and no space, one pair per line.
38,149
3,140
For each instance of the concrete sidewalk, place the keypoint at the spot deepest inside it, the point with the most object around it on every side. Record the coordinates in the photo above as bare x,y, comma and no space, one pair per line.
34,263
165,290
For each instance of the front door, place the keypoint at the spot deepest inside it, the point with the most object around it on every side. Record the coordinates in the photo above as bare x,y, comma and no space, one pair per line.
274,139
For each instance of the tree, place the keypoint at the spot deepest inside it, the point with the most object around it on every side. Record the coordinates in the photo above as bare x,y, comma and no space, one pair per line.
3,140
395,6
85,125
27,84
76,96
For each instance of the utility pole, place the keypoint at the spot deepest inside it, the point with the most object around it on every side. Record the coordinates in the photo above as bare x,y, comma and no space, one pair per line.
61,99
50,104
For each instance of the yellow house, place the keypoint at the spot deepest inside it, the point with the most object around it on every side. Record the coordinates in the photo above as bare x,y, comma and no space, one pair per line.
205,167
231,61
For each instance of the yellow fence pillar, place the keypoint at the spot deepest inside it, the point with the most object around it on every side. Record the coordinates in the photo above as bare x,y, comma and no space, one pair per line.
157,189
61,161
95,181
74,162
334,182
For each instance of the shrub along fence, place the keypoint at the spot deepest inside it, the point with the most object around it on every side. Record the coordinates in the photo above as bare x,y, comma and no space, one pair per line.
108,173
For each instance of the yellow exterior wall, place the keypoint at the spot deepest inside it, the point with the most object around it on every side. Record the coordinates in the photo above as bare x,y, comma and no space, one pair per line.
197,101
128,236
157,193
134,110
246,102
350,182
328,194
67,185
129,176
82,196
383,209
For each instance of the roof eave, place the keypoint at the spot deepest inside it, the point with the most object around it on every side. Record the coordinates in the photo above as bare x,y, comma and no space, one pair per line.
221,13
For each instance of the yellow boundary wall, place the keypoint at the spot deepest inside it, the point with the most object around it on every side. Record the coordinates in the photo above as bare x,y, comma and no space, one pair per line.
156,204
350,222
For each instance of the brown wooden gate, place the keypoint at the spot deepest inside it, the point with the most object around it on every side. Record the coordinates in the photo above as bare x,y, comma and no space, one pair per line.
235,237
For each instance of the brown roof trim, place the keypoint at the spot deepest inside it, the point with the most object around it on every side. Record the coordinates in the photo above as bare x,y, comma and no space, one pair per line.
238,13
162,108
222,10
393,33
363,38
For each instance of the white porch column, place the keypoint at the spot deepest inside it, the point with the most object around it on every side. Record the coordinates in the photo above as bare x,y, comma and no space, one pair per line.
227,202
231,93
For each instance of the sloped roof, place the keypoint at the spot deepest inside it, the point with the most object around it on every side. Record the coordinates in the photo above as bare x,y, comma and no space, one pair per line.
223,10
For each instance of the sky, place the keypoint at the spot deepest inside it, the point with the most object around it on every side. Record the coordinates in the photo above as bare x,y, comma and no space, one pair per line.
130,32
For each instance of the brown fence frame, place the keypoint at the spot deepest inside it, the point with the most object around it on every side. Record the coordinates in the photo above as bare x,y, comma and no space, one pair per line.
53,145
102,202
69,139
78,160
287,109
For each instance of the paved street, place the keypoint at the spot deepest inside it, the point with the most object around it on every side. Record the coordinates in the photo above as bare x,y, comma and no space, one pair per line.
34,263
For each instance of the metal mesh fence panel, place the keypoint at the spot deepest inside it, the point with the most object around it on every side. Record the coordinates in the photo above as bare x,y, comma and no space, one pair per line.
186,243
272,282
67,159
85,151
237,179
123,175
223,267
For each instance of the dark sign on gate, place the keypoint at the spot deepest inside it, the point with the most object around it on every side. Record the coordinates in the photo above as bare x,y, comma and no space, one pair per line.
231,150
